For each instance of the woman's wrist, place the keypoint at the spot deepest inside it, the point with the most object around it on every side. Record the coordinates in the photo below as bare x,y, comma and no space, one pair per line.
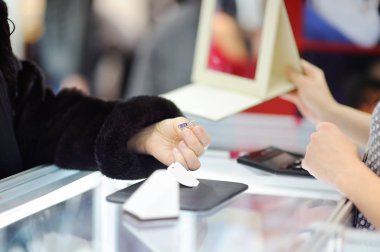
354,178
139,142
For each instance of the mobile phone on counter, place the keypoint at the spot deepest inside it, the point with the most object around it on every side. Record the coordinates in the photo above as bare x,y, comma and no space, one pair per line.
276,161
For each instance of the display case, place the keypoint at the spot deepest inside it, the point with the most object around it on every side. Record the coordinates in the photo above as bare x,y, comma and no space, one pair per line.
54,209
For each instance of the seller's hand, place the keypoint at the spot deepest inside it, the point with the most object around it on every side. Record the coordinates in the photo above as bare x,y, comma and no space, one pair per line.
312,97
168,143
330,155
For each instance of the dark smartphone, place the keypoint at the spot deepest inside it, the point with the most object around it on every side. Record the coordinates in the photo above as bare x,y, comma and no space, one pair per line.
276,161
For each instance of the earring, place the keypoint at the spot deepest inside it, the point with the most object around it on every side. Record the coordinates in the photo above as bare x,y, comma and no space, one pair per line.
13,25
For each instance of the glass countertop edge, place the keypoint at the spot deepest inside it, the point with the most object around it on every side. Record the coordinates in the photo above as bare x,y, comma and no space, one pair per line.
26,176
37,196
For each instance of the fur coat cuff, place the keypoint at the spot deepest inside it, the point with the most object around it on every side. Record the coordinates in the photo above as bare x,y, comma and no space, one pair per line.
125,121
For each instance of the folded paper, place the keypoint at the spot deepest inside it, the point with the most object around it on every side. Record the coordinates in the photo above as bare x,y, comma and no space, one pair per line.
156,198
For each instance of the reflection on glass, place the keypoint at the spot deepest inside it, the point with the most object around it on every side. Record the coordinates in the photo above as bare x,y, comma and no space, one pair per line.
341,238
249,223
264,223
67,226
236,32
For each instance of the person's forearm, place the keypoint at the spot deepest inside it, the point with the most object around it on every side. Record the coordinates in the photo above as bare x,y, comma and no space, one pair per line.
354,123
361,188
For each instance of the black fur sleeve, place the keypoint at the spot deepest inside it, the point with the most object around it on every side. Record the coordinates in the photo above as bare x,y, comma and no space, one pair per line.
126,120
80,132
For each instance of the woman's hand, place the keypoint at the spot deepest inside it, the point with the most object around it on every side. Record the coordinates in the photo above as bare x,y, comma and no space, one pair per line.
168,143
312,97
331,156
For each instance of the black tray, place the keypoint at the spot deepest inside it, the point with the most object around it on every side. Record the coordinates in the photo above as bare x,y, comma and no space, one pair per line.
207,195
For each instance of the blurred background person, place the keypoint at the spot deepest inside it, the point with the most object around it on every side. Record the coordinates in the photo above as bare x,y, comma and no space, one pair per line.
164,59
236,33
87,44
362,90
342,39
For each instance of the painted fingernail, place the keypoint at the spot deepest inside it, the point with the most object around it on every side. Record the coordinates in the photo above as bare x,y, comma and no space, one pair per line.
184,125
192,123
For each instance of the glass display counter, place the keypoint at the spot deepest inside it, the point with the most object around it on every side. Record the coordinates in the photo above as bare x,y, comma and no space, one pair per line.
340,238
249,223
52,209
47,209
62,210
66,226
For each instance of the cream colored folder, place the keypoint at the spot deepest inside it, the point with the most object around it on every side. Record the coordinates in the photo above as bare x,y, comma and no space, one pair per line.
215,95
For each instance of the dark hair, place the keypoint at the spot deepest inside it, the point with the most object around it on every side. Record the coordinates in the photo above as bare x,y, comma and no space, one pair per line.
355,87
228,7
8,63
